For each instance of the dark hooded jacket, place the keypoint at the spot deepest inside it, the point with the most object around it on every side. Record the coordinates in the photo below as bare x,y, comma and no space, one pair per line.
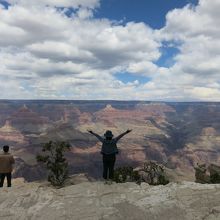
109,146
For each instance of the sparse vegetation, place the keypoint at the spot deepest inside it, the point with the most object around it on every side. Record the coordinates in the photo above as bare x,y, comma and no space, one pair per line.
151,172
53,157
154,173
215,178
201,175
214,171
126,174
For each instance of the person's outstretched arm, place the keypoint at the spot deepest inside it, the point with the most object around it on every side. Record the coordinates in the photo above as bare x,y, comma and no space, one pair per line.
123,134
96,135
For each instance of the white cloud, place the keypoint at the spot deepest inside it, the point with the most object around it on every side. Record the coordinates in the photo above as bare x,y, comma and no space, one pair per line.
143,68
52,51
205,93
196,30
46,54
84,13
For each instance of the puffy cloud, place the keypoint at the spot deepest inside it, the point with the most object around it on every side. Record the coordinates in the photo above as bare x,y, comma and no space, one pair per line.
21,26
44,46
143,68
46,54
205,93
195,31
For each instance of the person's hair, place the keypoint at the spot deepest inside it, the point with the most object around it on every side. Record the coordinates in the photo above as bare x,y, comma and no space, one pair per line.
6,148
108,138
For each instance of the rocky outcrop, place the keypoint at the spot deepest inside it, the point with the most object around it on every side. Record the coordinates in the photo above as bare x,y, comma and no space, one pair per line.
64,132
28,121
10,135
110,114
95,200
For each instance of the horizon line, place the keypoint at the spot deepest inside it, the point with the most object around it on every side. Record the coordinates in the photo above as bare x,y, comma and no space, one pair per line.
113,100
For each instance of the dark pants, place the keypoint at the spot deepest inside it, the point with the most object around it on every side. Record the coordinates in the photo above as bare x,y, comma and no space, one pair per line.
8,175
108,165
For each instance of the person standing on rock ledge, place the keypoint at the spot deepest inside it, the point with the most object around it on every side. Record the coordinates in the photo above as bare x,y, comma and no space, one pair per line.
6,161
109,151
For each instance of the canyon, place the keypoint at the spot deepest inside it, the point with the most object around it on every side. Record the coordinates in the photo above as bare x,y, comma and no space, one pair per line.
177,135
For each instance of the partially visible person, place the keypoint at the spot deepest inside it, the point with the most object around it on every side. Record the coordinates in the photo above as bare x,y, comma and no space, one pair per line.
6,161
109,151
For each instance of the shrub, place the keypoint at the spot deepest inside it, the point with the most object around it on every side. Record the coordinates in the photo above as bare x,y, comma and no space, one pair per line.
201,175
214,171
55,162
154,173
215,178
162,180
126,174
151,173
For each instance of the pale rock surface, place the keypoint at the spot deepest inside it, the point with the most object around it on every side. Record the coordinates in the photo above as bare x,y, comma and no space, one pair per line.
94,200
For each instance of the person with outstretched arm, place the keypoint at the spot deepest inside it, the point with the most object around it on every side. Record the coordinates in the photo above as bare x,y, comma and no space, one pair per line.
109,151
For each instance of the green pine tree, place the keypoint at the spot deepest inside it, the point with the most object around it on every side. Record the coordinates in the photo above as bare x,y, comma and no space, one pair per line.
55,161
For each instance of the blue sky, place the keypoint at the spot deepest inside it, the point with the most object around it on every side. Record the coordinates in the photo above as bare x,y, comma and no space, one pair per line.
164,50
152,12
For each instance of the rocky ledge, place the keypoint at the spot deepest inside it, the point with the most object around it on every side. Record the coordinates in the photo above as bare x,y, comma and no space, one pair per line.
95,200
